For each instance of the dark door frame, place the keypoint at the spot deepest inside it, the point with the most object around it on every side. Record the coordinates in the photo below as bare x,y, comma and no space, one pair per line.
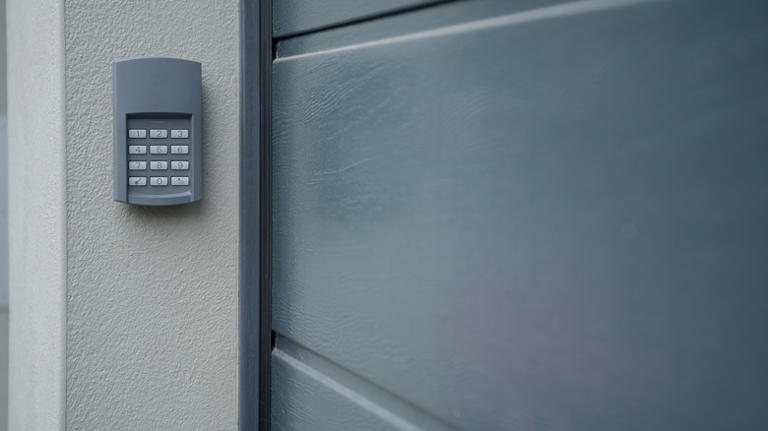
255,214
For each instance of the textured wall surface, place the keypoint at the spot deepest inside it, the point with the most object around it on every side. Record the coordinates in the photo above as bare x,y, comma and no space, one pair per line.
4,369
152,292
36,219
3,164
3,226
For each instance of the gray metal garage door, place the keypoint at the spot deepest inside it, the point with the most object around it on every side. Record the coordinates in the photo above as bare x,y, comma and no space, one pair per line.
520,215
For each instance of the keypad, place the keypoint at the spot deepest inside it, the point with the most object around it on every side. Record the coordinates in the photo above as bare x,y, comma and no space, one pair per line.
139,147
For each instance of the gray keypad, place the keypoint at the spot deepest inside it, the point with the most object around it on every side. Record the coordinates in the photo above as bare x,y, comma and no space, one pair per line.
151,149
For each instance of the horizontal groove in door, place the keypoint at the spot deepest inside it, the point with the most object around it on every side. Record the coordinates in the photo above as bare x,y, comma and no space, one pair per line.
325,393
424,21
300,16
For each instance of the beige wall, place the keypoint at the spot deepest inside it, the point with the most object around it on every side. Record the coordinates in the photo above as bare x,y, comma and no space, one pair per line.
150,310
3,229
3,369
36,216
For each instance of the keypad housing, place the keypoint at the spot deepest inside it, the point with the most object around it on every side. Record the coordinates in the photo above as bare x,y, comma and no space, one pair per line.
157,118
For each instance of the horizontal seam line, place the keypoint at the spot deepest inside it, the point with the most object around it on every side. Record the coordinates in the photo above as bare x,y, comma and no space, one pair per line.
354,396
362,19
540,14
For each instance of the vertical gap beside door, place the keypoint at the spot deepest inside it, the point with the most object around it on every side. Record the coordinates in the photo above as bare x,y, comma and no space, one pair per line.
255,214
265,225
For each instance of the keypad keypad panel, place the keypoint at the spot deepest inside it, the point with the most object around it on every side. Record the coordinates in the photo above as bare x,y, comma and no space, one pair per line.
167,164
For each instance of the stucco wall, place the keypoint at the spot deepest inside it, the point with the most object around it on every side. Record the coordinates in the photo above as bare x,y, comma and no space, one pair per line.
151,293
3,369
36,214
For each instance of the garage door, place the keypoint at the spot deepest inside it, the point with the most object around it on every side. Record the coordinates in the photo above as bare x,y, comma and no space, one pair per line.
520,215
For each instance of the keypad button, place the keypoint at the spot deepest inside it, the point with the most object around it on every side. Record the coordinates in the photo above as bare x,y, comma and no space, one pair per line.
179,149
179,133
179,181
137,181
137,149
158,133
158,165
158,181
137,165
179,165
158,149
137,133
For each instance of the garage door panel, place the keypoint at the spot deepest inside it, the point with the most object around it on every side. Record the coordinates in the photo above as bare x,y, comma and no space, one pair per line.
554,221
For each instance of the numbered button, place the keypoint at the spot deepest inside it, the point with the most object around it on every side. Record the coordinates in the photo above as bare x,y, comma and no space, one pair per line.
179,165
179,181
158,165
137,133
158,149
179,133
158,181
137,149
137,165
158,133
137,181
179,149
